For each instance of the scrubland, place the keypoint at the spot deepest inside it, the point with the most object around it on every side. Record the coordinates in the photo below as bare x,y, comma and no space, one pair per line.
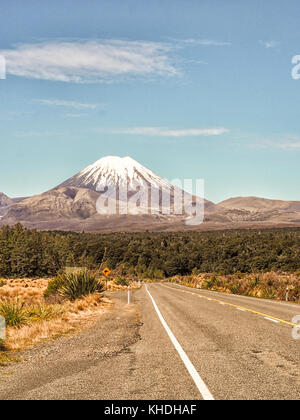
270,285
35,312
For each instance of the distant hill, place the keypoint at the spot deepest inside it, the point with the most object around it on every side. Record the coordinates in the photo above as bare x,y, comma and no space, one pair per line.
259,204
6,202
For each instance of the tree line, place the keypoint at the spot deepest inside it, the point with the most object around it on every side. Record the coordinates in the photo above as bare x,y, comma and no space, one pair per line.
29,253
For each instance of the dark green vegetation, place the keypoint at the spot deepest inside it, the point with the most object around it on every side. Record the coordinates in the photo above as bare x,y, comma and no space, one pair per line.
28,253
121,281
75,285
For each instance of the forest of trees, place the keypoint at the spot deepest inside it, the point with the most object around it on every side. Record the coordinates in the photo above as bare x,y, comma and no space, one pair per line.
29,253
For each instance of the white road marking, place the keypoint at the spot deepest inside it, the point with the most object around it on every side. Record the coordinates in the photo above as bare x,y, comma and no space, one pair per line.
272,320
204,391
268,317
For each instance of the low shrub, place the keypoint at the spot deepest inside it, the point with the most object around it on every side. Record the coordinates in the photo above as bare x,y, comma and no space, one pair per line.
121,281
234,288
14,312
75,286
44,313
2,346
54,285
2,283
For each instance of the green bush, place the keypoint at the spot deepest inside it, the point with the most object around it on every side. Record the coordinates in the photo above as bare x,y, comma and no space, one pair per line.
234,288
74,286
17,314
2,283
14,312
255,282
268,293
54,285
44,313
209,284
2,348
121,281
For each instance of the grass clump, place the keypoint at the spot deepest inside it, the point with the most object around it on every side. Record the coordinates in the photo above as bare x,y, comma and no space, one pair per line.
14,312
6,358
121,281
44,312
74,285
2,345
54,286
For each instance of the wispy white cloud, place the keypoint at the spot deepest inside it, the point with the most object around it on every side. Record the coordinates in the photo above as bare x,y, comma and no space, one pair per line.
89,61
39,133
290,146
284,142
167,132
67,104
270,44
206,42
69,115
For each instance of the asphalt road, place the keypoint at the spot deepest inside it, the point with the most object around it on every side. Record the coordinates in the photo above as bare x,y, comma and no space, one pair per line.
172,342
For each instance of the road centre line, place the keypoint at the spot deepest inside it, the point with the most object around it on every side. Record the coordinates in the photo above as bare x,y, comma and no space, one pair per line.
269,317
204,391
267,301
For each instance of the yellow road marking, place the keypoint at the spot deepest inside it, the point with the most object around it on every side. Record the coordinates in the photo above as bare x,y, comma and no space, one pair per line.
282,321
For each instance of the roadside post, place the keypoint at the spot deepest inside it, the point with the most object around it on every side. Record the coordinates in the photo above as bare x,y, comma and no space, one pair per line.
2,328
287,294
106,272
129,295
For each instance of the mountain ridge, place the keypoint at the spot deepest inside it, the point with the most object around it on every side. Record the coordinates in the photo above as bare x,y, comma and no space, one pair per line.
72,204
253,203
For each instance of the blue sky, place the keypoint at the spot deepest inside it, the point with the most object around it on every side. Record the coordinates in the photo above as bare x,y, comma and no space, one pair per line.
190,89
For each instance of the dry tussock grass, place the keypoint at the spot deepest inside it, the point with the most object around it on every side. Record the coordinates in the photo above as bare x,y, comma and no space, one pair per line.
67,317
77,315
30,291
269,285
112,286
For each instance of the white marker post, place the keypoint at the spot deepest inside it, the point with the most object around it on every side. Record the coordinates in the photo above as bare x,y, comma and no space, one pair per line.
2,328
287,295
129,293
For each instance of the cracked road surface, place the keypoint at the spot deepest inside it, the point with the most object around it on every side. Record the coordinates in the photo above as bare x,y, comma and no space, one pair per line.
128,354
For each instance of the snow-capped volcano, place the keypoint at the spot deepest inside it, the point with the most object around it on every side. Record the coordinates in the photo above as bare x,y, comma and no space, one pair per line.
117,171
131,188
143,201
109,195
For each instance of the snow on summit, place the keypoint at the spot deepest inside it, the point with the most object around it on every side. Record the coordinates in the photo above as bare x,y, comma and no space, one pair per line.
114,170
